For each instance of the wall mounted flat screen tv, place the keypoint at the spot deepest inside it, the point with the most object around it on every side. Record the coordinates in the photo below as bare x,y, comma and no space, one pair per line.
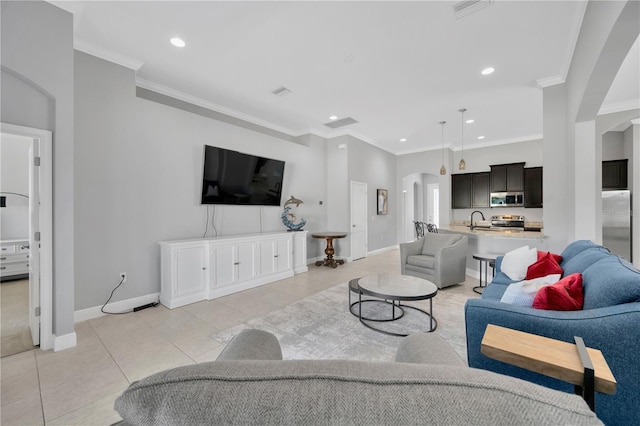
231,177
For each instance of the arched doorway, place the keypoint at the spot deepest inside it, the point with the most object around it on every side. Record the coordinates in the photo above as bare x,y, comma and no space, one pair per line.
421,193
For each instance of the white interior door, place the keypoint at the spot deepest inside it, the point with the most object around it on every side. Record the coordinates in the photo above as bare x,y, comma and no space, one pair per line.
40,252
358,220
433,203
34,241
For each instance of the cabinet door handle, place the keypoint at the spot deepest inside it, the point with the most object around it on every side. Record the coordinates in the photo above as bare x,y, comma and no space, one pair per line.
3,268
276,256
3,258
236,263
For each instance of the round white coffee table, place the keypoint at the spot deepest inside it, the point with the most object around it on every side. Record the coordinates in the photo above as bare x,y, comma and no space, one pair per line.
397,289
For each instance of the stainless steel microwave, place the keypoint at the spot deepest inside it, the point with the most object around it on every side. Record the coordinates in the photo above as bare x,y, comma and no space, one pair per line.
507,199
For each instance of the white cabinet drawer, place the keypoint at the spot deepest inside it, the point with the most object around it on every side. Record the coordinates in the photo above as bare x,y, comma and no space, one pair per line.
23,257
9,249
8,269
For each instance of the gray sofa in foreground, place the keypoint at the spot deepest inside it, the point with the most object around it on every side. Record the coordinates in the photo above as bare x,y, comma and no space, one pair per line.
439,258
428,384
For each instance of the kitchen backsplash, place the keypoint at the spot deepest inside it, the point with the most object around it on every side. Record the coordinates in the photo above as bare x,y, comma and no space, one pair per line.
530,215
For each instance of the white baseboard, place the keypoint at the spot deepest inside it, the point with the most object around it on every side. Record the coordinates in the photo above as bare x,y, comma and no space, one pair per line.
65,341
121,306
384,250
348,259
475,274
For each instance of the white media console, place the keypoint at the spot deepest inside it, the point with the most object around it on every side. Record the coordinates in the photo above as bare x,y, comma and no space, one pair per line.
199,269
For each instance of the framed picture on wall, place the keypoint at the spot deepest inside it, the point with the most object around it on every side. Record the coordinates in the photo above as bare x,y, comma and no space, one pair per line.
383,204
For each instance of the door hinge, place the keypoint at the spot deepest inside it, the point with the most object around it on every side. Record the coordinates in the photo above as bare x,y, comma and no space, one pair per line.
37,311
36,161
37,236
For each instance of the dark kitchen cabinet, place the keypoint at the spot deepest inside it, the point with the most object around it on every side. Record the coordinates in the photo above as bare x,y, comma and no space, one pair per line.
461,191
533,187
614,174
480,189
507,177
470,190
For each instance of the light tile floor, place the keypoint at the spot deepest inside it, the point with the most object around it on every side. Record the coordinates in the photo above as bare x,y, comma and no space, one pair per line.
15,336
78,386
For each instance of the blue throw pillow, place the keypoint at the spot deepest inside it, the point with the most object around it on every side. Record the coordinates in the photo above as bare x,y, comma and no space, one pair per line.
584,259
609,282
574,248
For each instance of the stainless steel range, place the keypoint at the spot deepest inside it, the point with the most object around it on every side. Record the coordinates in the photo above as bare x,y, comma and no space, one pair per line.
507,222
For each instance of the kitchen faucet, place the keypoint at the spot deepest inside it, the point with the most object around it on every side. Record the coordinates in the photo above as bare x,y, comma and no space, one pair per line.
472,213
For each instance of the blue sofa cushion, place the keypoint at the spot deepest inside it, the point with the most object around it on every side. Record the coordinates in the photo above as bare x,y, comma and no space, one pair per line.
609,282
584,259
574,248
494,291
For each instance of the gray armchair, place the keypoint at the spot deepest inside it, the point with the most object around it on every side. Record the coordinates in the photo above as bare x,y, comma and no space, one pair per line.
439,258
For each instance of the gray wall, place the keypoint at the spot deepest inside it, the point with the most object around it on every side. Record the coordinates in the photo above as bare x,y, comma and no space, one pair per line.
138,181
350,159
337,190
376,168
37,91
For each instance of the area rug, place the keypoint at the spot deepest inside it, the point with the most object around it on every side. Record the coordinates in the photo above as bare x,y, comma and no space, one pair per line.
321,327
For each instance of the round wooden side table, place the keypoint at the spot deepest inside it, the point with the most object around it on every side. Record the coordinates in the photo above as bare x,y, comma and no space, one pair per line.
329,251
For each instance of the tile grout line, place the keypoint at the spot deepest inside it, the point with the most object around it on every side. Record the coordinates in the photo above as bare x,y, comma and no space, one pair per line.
35,358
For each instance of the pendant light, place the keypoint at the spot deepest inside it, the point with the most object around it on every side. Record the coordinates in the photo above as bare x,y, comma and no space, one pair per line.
443,169
462,165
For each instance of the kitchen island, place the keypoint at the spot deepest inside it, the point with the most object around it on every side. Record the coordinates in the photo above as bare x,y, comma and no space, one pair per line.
483,240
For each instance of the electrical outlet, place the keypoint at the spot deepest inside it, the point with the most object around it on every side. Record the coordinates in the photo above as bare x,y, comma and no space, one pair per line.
123,277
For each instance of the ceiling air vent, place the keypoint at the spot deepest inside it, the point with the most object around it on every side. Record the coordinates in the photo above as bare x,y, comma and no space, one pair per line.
467,7
340,123
281,91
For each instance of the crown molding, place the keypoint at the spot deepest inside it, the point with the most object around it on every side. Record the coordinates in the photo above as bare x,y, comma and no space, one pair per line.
107,55
311,131
426,149
177,94
619,107
475,145
359,136
550,81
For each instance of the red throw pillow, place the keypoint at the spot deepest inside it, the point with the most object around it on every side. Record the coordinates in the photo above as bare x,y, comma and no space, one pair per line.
543,267
556,257
565,295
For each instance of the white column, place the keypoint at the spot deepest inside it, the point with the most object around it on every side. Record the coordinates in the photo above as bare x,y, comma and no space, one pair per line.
587,192
635,195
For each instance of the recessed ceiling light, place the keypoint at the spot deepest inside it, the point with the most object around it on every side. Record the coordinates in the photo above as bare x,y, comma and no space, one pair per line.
480,137
333,117
471,120
403,140
488,70
178,42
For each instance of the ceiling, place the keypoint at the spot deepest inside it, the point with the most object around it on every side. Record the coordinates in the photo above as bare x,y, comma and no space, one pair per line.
398,68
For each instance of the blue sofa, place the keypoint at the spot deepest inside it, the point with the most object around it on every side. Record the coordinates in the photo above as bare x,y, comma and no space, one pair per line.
609,321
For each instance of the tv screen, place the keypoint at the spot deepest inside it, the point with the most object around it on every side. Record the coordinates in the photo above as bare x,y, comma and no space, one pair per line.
231,177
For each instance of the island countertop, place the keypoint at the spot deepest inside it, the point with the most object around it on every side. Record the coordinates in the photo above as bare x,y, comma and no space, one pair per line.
464,229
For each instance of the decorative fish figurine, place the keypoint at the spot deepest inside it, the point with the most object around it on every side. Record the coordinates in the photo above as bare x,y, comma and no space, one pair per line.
293,200
289,219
